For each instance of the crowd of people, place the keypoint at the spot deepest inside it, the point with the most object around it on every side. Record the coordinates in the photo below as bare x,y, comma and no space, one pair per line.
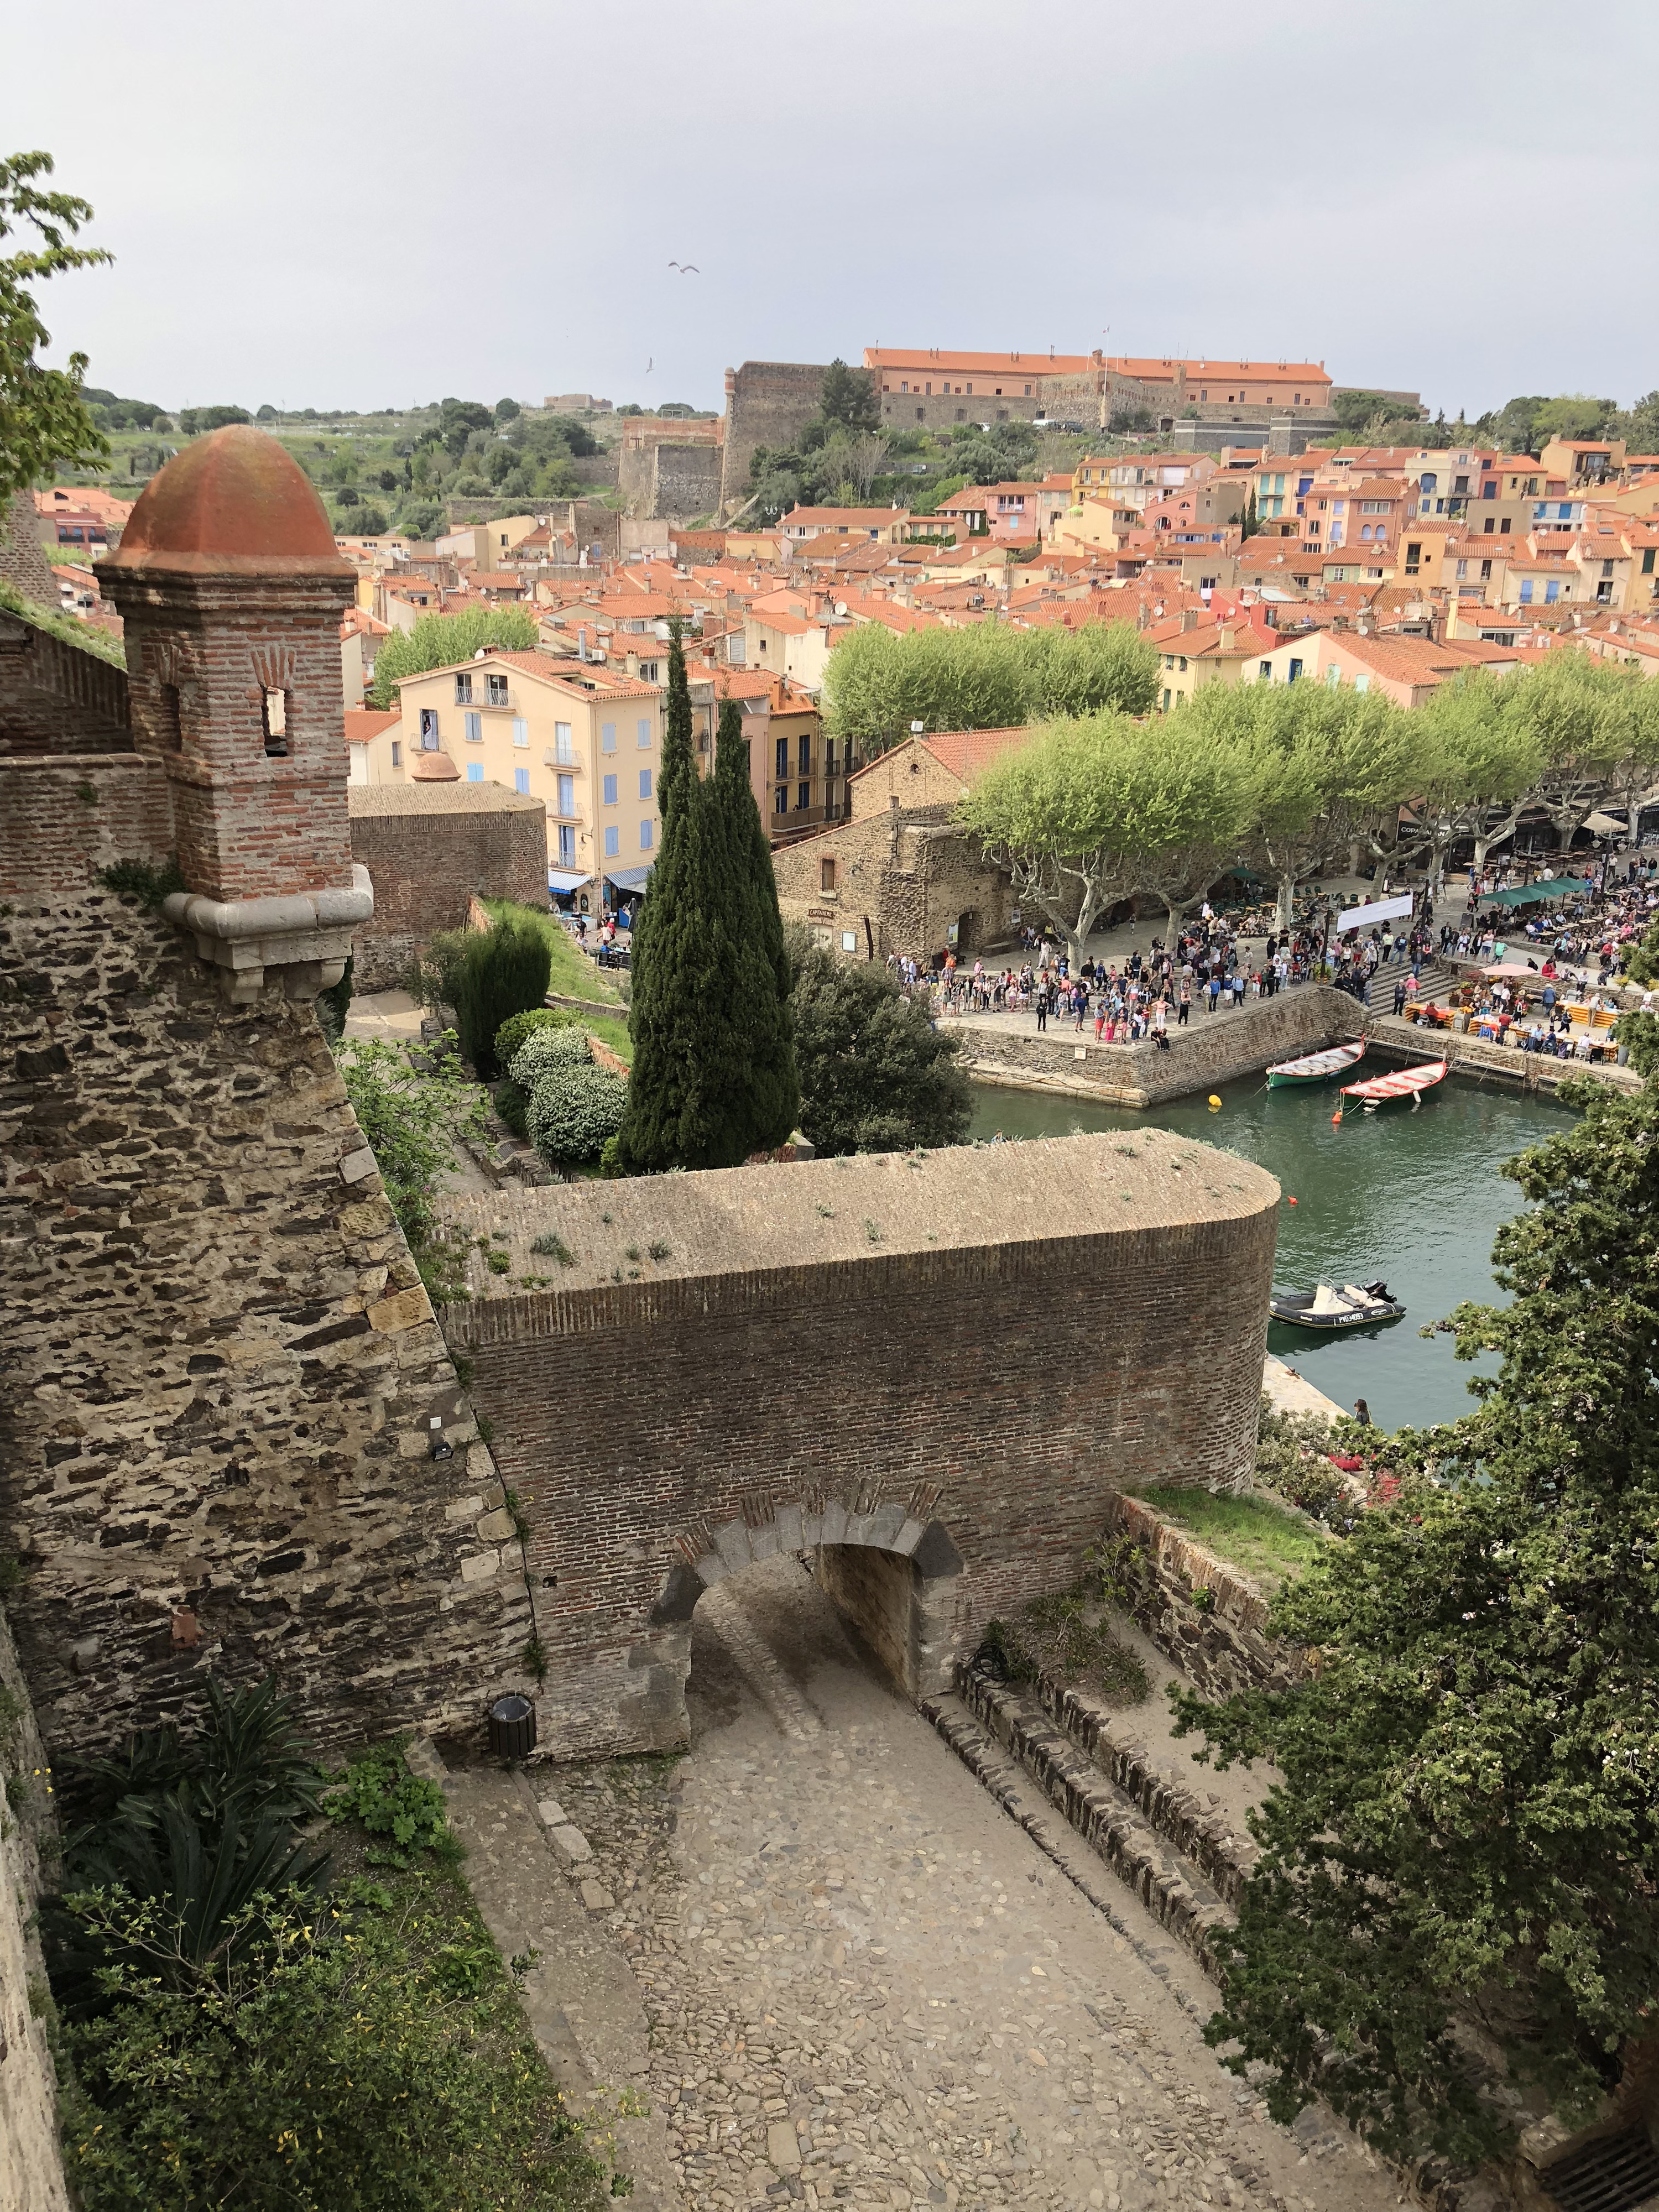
1220,963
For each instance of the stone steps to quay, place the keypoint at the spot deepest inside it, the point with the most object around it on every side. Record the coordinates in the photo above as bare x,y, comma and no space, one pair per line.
1006,1740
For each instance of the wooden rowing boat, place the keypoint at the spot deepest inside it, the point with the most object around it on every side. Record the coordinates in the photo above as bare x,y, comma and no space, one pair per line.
1405,1083
1316,1066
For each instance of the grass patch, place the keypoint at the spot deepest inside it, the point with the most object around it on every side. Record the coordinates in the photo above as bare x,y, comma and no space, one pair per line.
572,975
611,1030
65,627
1067,1637
1269,1542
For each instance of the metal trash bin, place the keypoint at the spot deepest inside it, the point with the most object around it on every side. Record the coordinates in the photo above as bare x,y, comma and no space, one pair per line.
1459,1022
512,1728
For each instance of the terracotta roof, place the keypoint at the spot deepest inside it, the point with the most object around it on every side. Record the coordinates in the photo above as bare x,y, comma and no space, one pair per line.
232,503
363,723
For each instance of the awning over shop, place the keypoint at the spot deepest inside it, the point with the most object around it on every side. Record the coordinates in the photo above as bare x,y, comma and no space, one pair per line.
629,880
566,879
1553,887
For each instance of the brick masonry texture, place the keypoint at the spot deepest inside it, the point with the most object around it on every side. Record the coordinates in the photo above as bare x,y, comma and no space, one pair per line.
201,652
221,1369
56,698
991,1339
64,816
23,563
429,850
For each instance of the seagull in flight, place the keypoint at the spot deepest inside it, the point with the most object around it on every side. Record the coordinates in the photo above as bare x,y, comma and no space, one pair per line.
686,269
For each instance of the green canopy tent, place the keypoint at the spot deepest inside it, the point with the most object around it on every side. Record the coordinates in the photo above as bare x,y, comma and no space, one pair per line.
1530,894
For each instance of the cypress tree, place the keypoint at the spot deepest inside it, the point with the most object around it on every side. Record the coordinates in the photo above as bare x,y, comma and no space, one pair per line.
663,1007
766,1099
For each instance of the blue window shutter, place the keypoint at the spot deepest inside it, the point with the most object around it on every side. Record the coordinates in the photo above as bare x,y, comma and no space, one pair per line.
645,837
644,783
642,729
612,842
521,781
610,791
474,771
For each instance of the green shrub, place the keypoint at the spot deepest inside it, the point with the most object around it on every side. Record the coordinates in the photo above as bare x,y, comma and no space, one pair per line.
545,1049
485,976
144,881
575,1109
511,1034
1293,1457
374,2061
380,1794
1054,1637
413,1116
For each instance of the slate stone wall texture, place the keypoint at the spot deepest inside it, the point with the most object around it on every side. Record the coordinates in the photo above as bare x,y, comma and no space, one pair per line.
899,886
864,1352
221,1367
1221,1641
31,2166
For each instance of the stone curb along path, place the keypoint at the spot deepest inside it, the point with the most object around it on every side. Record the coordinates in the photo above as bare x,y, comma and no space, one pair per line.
530,1876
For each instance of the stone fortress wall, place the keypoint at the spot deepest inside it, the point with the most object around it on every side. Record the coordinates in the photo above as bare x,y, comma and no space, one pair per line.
954,1360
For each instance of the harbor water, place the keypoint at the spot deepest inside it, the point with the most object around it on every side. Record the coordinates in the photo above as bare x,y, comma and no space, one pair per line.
1414,1197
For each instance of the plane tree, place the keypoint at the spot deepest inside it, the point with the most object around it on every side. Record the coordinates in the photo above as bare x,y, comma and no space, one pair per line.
1092,810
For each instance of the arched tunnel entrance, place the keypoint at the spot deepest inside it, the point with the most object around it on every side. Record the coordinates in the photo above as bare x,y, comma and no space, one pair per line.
894,1580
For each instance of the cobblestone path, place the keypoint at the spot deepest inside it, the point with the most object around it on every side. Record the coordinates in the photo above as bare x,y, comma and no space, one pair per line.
866,1985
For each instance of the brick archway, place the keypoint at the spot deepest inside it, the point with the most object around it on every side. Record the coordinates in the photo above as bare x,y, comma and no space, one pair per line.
892,1572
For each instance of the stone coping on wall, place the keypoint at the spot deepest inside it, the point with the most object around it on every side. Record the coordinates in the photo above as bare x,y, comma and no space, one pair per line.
642,1247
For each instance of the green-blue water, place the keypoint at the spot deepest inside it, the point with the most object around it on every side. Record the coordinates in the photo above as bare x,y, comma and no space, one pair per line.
1415,1198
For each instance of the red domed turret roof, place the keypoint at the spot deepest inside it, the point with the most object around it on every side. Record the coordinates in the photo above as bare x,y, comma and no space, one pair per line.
232,503
433,768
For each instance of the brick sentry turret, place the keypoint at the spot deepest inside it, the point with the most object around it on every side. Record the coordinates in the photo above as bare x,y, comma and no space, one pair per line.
231,590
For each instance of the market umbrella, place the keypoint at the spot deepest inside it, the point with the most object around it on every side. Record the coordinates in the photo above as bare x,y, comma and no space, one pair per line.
1605,825
1510,968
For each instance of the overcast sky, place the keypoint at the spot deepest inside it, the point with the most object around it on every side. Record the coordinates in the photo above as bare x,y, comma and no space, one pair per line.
348,205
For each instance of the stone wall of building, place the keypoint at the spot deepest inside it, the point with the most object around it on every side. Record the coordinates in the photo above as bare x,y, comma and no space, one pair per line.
900,884
723,1365
669,469
428,849
221,1372
767,402
65,817
685,482
31,2165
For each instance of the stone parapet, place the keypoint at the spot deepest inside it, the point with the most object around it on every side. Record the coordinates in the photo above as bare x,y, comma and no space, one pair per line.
66,817
1206,1616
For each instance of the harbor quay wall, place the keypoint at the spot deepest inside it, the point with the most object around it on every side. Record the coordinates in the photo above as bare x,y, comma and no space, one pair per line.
813,1366
1213,1048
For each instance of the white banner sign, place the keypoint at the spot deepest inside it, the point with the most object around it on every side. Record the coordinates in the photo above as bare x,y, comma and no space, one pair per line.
1359,917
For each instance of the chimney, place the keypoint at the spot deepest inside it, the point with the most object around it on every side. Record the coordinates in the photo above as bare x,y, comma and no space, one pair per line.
1225,642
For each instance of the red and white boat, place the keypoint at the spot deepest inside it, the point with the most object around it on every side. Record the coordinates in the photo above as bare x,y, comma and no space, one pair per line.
1405,1083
